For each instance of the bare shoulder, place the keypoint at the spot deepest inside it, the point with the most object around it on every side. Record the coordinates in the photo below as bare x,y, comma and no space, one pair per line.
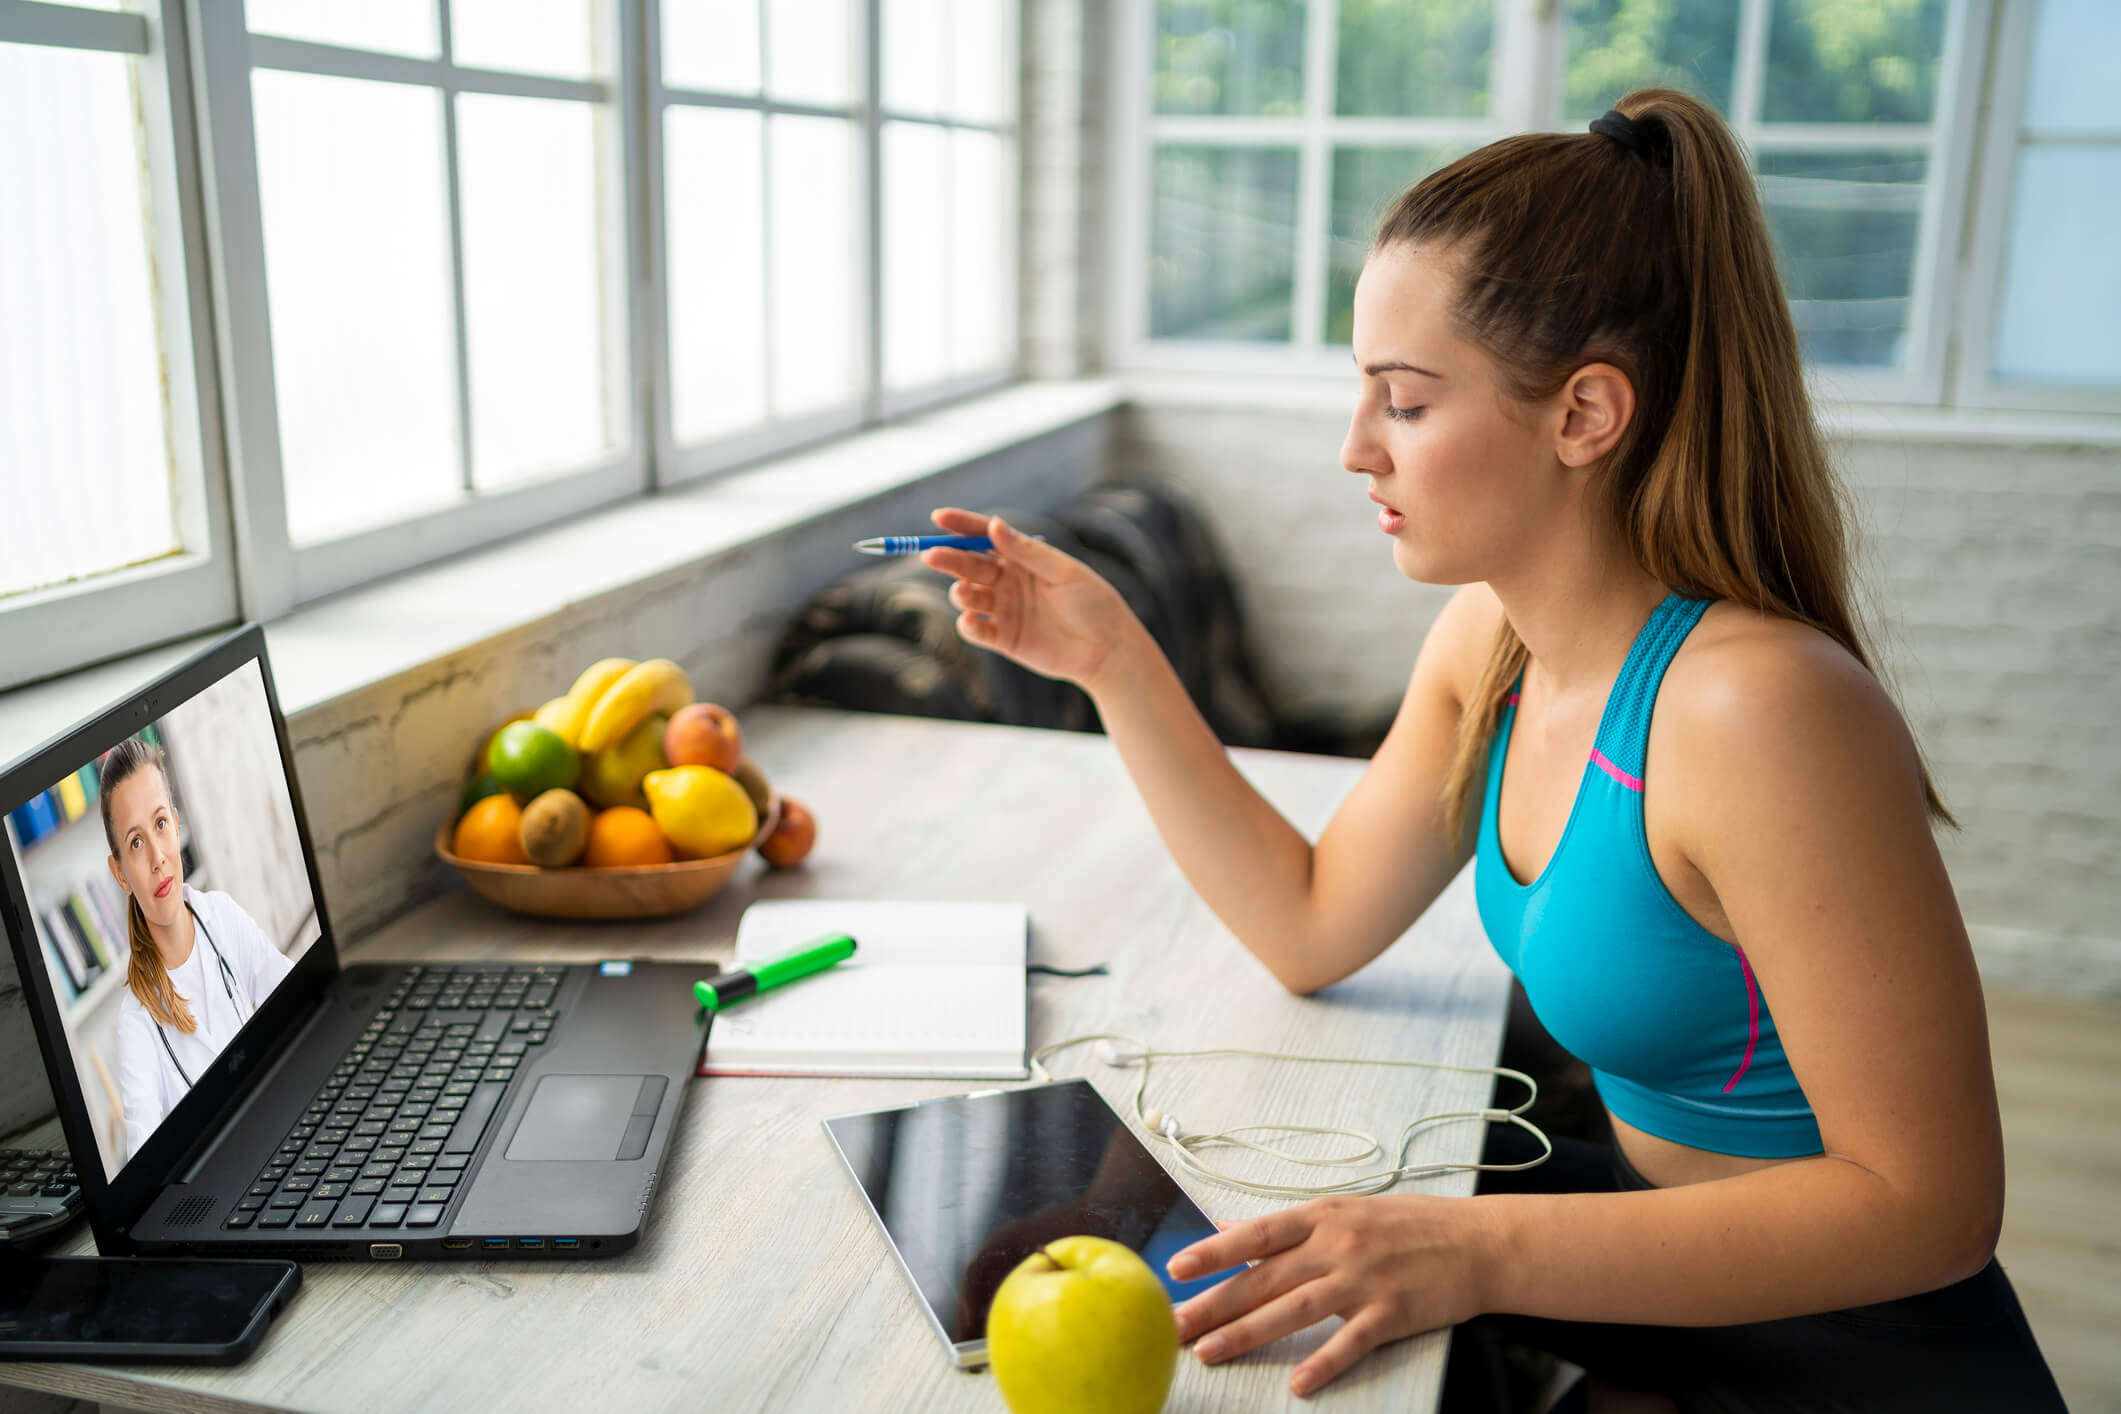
1751,693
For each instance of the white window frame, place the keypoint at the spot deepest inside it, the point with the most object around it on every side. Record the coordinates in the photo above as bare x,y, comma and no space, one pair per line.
1977,386
1949,316
53,630
678,464
280,574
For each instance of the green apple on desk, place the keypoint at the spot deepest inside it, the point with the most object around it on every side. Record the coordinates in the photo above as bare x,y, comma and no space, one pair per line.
1082,1325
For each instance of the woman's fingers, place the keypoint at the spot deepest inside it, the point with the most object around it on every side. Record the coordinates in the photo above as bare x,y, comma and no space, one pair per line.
1247,1241
1247,1291
972,596
965,564
1042,560
1330,1361
1286,1314
958,521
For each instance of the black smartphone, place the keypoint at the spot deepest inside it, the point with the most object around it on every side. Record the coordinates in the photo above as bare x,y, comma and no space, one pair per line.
96,1309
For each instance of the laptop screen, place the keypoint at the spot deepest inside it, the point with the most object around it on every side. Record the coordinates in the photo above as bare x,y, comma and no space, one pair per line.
171,897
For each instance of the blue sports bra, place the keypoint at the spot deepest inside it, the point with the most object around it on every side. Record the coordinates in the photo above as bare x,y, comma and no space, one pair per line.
1667,1015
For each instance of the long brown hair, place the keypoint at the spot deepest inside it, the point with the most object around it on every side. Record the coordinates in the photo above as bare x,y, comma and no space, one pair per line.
1573,248
144,972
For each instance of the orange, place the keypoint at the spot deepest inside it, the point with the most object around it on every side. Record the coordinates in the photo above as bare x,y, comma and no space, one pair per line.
625,835
490,831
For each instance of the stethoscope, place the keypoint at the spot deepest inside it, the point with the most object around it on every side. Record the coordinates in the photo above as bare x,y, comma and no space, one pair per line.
228,985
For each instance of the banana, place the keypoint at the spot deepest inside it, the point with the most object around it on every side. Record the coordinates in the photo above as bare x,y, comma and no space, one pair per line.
566,715
657,685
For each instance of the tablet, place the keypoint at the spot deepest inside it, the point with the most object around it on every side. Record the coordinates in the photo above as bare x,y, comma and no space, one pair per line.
965,1187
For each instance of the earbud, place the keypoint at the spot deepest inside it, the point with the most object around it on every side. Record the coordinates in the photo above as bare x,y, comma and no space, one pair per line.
1160,1123
1112,1053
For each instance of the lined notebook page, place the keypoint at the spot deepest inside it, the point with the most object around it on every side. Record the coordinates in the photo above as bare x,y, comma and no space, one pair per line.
933,989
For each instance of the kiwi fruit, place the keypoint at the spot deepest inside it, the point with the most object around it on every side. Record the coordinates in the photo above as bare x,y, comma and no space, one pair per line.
555,829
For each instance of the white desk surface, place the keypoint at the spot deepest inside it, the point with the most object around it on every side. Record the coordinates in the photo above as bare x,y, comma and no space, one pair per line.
760,1282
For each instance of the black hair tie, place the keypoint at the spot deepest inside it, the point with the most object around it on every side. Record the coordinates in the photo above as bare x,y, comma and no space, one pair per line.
1637,136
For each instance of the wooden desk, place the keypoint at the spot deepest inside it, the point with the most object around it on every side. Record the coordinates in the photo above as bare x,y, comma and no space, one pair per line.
760,1282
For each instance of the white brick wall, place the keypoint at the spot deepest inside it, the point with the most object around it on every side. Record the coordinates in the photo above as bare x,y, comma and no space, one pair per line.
1995,576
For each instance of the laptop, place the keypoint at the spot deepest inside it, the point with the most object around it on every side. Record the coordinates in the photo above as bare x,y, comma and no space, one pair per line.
227,1087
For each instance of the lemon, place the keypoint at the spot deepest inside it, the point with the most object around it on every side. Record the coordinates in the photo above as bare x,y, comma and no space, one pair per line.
703,811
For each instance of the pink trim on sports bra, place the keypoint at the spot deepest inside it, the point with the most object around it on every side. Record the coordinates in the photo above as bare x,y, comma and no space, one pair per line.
1752,1006
1599,759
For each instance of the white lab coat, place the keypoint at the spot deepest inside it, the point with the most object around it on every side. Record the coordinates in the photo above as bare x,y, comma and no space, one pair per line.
149,1086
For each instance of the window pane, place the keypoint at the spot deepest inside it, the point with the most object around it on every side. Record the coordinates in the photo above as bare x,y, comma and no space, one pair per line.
526,36
1429,60
1233,57
1845,226
1223,253
2075,84
1830,61
916,264
981,236
393,26
84,435
533,286
357,278
811,46
1365,181
818,328
983,61
915,40
1618,46
2061,283
714,233
712,45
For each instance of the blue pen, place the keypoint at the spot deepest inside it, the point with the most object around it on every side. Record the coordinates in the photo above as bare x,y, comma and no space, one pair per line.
914,544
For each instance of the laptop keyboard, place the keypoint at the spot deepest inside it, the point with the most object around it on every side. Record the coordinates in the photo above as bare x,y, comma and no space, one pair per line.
386,1139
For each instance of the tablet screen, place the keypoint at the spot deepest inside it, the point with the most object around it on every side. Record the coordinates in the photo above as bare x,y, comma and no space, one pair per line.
968,1186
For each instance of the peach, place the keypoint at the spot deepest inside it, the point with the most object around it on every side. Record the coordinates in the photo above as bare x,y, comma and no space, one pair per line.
792,838
704,734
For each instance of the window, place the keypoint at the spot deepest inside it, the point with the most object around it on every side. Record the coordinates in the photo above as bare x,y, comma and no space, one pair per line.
1258,141
2051,201
828,260
431,201
115,536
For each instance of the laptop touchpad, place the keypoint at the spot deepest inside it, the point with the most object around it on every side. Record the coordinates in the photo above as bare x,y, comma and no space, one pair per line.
587,1117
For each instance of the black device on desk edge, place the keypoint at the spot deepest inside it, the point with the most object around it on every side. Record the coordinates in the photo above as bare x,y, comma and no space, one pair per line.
100,1309
378,1111
39,1195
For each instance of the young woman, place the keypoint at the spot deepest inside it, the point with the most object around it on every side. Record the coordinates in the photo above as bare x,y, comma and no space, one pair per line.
1581,399
199,964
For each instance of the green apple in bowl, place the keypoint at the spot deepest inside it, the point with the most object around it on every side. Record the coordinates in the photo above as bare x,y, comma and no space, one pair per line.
1082,1325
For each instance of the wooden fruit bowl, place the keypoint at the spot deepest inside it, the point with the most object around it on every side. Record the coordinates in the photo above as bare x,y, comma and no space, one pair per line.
636,891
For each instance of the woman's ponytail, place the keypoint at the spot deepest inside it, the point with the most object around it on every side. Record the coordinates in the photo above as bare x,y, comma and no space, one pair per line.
148,979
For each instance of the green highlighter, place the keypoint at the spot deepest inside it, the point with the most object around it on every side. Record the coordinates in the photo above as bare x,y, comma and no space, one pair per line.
814,956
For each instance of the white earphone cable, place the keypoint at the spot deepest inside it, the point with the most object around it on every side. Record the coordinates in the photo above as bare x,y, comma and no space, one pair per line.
1125,1051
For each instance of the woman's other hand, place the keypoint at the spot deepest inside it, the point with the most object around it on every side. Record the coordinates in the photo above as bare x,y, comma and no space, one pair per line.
1390,1266
1031,602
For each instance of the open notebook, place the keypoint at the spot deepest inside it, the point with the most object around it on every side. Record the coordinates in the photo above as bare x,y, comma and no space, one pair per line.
933,989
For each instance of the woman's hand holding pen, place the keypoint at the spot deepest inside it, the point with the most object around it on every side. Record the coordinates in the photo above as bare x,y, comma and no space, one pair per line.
1032,602
1392,1265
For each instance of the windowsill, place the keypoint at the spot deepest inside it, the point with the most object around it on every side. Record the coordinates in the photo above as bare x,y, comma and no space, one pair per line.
356,640
1880,422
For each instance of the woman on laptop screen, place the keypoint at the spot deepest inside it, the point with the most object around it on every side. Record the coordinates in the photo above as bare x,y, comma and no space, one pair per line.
199,965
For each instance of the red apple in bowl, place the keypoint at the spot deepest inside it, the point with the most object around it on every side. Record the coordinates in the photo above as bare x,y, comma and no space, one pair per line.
792,838
703,734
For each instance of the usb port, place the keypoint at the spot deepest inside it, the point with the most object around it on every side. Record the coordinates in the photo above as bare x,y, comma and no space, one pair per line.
386,1251
456,1244
565,1243
531,1243
492,1244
